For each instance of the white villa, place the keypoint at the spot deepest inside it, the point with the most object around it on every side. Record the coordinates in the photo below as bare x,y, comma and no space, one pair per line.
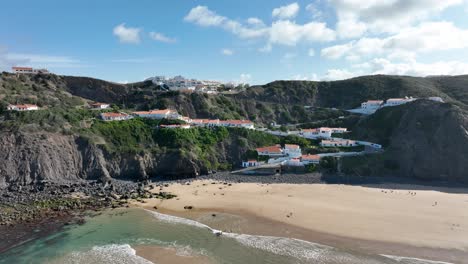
22,107
250,163
115,116
292,150
98,106
28,70
158,114
310,159
344,143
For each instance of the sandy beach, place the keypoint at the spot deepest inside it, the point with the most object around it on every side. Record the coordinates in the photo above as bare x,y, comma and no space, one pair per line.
164,255
404,221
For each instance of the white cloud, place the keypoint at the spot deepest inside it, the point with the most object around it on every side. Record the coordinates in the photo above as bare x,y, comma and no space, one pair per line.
244,78
311,52
285,12
203,16
281,32
300,77
289,56
254,21
314,11
337,51
161,37
289,33
380,16
424,38
409,67
337,74
41,61
127,34
227,52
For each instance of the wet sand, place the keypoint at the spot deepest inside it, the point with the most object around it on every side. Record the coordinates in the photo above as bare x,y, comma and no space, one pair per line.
423,224
163,255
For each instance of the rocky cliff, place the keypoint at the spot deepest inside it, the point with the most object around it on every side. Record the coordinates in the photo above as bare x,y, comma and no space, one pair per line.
35,157
422,139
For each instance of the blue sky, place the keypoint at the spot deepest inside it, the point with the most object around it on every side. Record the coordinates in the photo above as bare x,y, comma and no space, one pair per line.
243,41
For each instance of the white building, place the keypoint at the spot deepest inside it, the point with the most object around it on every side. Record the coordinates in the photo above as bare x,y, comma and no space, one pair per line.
158,114
436,99
316,133
237,123
341,143
115,116
292,150
28,70
397,101
250,163
100,106
22,107
310,159
294,162
372,105
273,151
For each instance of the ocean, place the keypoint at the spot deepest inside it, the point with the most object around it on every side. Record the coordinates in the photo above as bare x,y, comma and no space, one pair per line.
115,235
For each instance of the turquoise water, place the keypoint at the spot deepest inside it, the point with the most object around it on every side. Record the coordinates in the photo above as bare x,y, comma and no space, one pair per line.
111,236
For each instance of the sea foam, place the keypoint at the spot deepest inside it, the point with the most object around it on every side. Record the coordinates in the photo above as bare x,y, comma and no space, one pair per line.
113,253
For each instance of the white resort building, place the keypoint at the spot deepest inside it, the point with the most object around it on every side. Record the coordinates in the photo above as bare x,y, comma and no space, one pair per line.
22,107
28,70
316,133
115,116
398,101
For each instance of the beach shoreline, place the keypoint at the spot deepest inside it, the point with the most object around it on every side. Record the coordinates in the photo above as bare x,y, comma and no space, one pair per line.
261,209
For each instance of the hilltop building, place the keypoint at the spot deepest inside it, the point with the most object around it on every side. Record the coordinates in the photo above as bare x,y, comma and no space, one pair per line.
22,107
272,151
115,116
28,70
180,83
322,132
398,101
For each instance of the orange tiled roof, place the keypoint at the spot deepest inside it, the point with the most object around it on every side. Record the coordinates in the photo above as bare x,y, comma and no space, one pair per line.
310,157
271,149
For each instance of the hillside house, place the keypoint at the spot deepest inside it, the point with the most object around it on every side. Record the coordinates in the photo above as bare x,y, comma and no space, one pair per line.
342,143
250,163
158,114
28,70
22,107
310,159
398,101
273,151
315,133
206,122
99,106
238,123
292,150
115,116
